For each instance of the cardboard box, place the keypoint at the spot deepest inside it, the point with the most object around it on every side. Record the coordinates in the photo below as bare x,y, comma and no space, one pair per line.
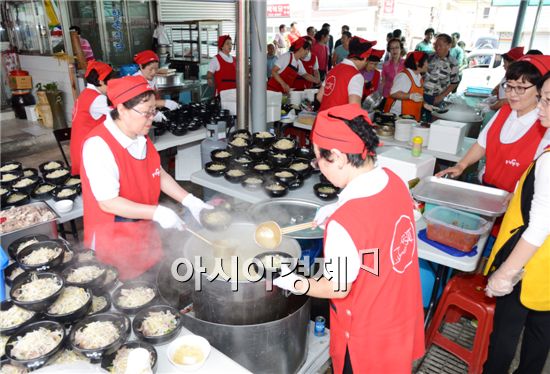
20,82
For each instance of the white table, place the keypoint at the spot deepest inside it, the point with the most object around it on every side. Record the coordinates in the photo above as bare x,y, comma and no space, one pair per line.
75,213
168,140
188,156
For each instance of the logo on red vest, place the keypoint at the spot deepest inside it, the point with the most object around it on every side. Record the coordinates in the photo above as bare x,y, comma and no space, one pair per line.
156,173
512,162
330,84
403,244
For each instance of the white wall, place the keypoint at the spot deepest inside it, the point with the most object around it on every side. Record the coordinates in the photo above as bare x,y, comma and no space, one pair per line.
46,69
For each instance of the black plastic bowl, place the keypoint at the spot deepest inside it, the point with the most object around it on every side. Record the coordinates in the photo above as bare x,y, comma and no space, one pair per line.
7,304
46,266
22,199
249,185
280,175
218,156
12,248
35,363
74,182
92,284
43,195
28,188
107,306
325,195
264,141
305,152
235,178
5,193
217,219
129,285
257,153
282,191
30,172
95,355
109,282
41,304
107,360
306,171
58,181
74,316
9,270
259,168
18,166
296,183
160,339
215,173
279,159
243,161
58,190
8,183
289,151
44,171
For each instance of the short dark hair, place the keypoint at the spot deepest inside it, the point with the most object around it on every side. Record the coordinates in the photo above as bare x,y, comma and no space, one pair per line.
307,45
524,70
93,77
75,28
325,26
282,26
393,40
429,30
131,103
542,80
534,52
310,28
457,34
319,34
410,63
397,33
389,35
345,27
346,33
293,23
366,132
446,38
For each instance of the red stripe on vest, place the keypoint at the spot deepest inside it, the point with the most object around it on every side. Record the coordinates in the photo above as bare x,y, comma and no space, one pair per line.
336,86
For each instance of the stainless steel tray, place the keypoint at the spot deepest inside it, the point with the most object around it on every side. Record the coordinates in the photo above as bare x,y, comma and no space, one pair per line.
473,198
287,212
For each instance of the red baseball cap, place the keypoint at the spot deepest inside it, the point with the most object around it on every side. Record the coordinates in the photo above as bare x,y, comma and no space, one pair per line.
375,54
359,47
146,56
514,53
332,132
417,55
102,69
541,62
299,43
123,89
222,39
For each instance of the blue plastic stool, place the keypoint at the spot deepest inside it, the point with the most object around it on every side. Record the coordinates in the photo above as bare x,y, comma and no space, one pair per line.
4,261
427,279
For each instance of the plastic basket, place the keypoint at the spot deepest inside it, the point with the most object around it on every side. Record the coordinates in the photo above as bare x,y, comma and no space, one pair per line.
455,228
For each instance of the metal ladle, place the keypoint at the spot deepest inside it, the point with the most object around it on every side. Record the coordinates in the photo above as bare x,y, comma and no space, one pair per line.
269,234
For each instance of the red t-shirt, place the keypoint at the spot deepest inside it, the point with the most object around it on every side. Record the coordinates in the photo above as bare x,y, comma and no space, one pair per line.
321,52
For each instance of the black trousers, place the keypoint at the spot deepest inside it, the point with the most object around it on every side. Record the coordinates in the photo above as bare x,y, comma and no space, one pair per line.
347,364
510,318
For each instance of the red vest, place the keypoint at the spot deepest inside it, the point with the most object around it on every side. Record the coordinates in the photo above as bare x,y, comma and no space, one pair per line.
226,77
336,86
301,83
505,163
133,246
373,86
381,320
288,75
83,123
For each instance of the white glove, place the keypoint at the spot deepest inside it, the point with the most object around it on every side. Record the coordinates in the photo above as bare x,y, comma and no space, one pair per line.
195,205
139,362
288,279
416,97
502,282
167,218
159,117
323,213
171,104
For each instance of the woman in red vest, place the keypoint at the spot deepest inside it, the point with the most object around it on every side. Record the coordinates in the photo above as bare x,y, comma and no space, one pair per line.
311,66
407,91
90,108
121,182
148,62
289,66
514,137
371,271
344,83
371,74
222,70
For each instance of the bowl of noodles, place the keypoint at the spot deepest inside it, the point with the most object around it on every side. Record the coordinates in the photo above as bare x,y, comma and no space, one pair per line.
89,274
13,317
41,256
133,296
35,344
71,306
117,362
157,324
19,244
36,291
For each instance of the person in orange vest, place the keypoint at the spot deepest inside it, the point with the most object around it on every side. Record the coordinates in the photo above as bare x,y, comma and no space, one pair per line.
289,66
344,83
90,108
148,62
121,183
222,70
407,92
519,265
371,74
371,274
311,65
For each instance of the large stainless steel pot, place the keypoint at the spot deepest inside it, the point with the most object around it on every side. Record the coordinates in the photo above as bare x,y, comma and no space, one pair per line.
164,81
251,303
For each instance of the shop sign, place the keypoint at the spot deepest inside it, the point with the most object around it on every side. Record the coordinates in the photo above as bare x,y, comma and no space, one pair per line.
278,10
388,6
118,36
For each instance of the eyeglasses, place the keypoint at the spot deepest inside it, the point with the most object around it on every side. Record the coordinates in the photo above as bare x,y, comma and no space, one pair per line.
519,90
543,100
150,114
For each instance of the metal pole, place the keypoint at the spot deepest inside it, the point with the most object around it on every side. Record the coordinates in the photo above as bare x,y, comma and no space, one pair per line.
535,24
258,54
243,33
519,22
